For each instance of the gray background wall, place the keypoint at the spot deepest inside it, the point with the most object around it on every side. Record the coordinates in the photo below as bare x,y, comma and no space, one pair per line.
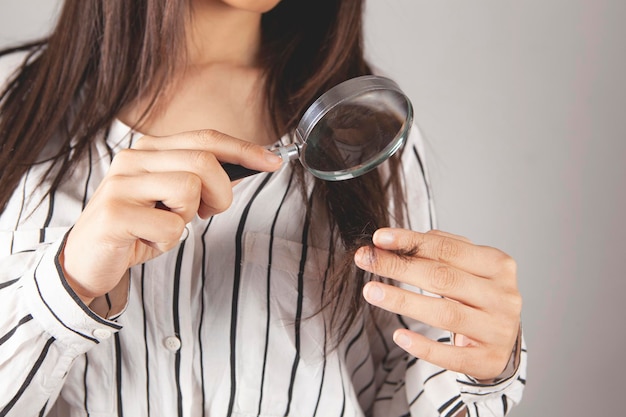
523,105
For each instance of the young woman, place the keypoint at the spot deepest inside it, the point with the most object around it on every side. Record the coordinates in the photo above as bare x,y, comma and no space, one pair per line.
137,280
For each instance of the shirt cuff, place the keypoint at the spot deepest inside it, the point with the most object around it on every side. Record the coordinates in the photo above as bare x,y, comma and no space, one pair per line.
58,309
511,373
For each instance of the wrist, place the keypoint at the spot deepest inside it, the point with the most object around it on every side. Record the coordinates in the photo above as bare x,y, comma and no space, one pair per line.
76,287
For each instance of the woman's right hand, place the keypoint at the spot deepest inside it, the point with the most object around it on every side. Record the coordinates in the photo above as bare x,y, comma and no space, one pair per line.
125,223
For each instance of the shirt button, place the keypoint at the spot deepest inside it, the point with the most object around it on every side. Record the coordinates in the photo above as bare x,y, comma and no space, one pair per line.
101,334
172,343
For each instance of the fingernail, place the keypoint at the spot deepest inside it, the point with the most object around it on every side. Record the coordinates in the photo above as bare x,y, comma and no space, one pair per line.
384,237
374,293
272,158
402,340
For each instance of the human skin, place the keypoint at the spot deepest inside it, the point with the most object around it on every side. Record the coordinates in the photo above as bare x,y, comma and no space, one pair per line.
480,302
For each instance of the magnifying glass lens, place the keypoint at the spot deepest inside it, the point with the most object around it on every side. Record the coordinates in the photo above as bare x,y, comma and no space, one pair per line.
356,135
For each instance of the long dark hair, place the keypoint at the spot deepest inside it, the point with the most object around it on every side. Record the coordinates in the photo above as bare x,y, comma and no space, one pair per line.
104,54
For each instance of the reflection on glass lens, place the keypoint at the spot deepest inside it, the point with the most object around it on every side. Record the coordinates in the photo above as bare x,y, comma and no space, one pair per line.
354,132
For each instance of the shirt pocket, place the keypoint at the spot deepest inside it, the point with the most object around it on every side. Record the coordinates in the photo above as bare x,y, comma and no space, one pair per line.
278,324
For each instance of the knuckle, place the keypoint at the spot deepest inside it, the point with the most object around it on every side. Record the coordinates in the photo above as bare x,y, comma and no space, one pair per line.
400,302
427,351
170,231
450,317
515,302
202,159
444,278
516,298
246,147
123,157
507,264
110,186
191,185
220,140
174,228
108,213
447,249
204,136
142,142
396,266
223,202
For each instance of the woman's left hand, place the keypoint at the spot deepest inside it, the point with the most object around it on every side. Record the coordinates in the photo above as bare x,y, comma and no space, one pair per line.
480,301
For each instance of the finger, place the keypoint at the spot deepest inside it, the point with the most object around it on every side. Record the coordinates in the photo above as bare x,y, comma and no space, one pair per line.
158,229
447,234
135,161
437,312
216,189
226,148
118,224
179,191
480,362
477,260
433,276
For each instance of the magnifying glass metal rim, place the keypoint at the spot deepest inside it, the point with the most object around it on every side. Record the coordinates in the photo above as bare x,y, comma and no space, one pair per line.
340,93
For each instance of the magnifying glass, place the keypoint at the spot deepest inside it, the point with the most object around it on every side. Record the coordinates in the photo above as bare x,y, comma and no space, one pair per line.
349,130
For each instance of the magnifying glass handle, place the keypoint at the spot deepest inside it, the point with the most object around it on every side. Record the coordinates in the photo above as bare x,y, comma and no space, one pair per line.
237,172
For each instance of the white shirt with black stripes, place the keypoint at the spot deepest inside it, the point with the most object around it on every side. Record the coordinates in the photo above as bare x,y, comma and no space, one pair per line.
221,325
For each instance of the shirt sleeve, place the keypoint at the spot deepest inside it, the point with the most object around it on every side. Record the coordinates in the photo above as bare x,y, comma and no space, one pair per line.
408,386
44,327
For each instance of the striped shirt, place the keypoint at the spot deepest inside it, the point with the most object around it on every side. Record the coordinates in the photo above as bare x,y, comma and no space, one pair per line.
221,325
